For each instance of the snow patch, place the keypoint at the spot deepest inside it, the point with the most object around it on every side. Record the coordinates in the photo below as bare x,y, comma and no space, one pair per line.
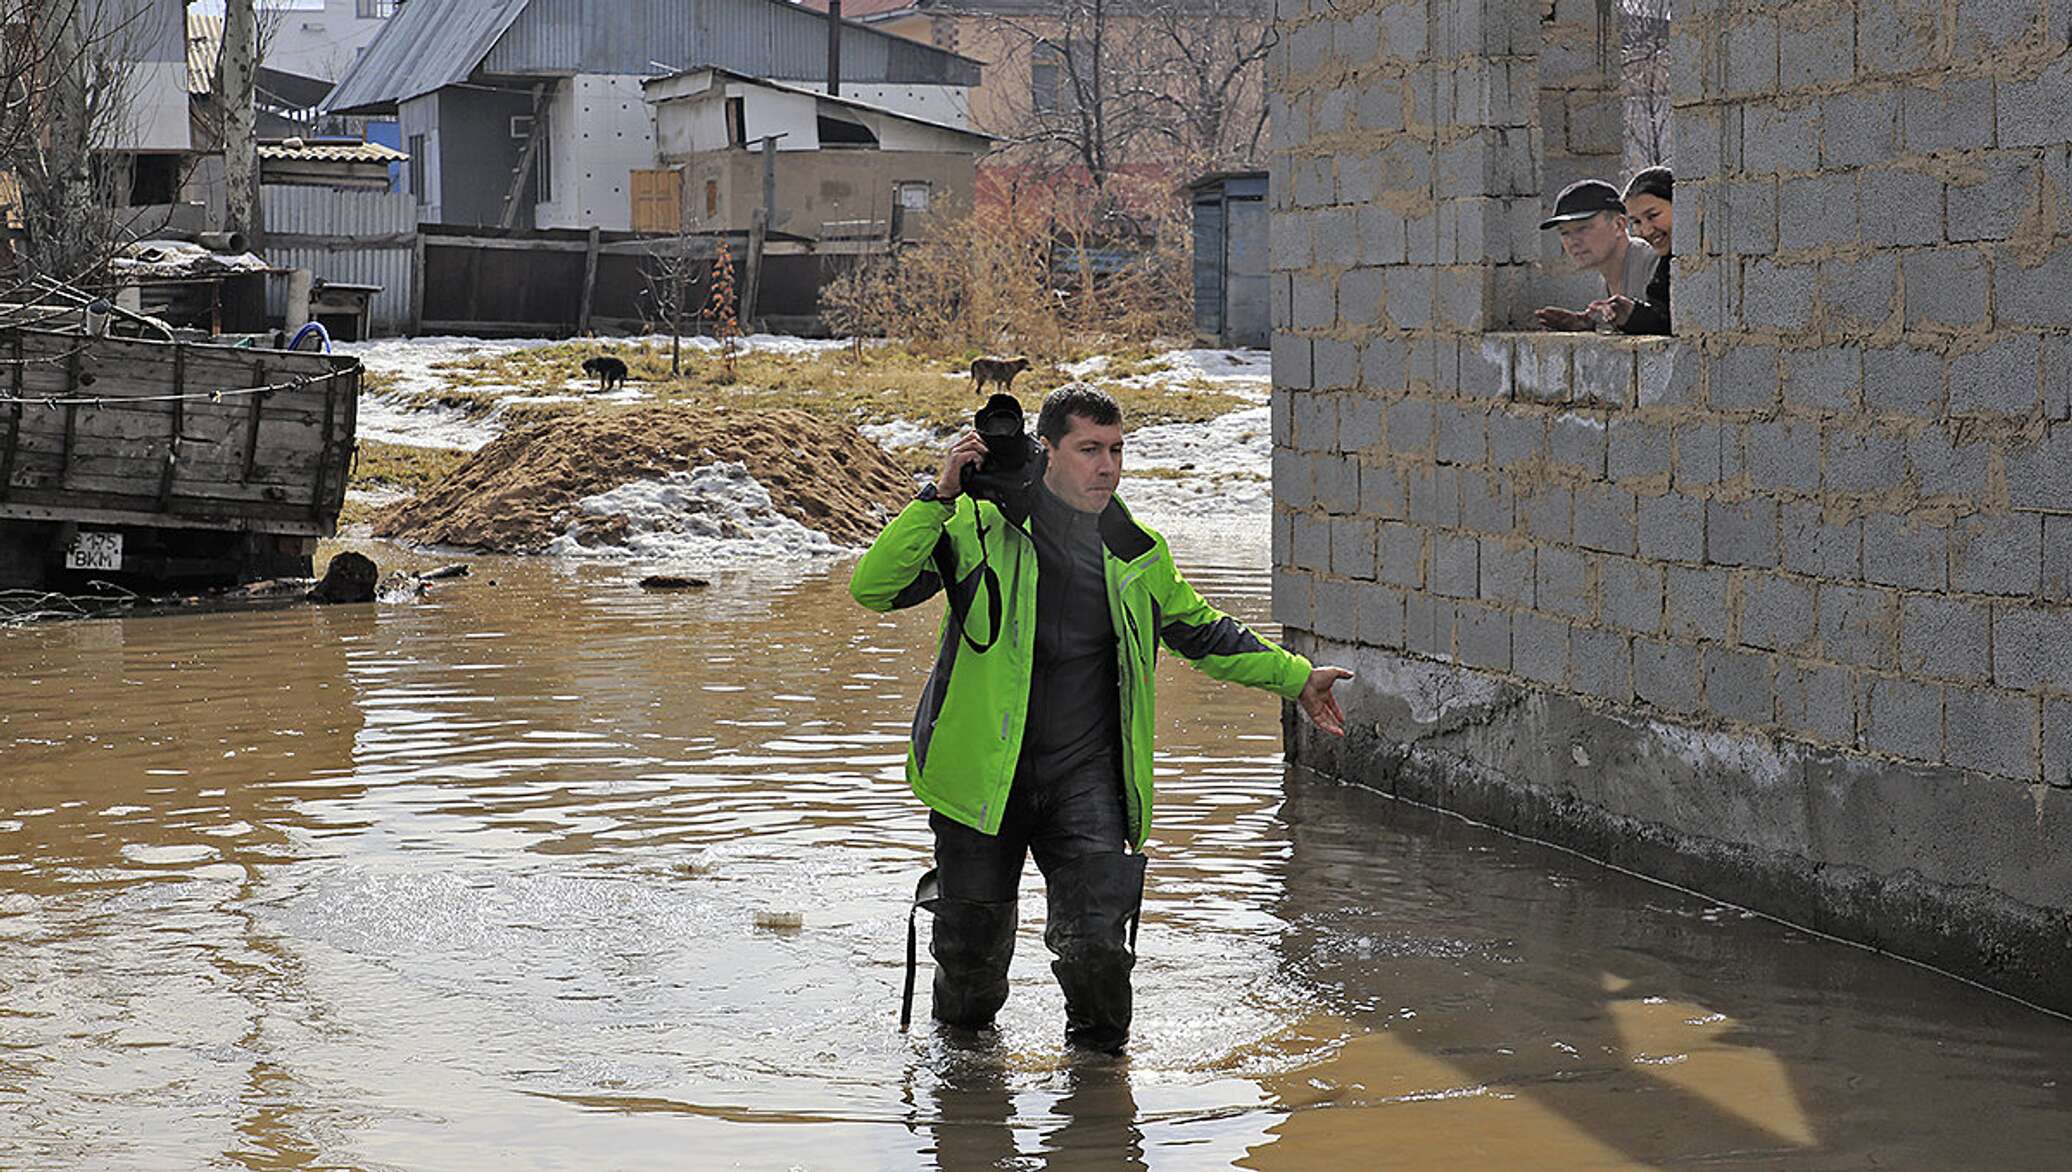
894,434
715,514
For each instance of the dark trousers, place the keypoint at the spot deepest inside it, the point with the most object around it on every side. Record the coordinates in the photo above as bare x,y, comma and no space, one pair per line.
1077,827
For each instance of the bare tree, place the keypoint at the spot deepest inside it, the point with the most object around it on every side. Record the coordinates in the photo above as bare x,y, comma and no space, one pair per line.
1644,78
237,83
1213,64
66,101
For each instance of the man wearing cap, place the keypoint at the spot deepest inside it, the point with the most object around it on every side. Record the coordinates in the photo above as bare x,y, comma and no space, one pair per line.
1592,221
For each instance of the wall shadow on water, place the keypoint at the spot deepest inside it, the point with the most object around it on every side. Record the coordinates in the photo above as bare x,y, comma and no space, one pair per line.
1614,1020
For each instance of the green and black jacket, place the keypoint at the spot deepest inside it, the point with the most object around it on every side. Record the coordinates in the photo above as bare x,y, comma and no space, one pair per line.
968,726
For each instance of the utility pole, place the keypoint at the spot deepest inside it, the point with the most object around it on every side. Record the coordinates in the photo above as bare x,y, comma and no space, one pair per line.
237,73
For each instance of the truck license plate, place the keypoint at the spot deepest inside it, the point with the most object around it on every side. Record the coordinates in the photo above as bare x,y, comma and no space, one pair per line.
95,551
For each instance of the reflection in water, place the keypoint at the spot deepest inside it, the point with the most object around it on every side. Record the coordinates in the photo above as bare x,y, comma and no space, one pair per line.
459,883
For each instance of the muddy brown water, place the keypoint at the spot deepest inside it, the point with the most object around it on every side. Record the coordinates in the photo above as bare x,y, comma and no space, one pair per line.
475,883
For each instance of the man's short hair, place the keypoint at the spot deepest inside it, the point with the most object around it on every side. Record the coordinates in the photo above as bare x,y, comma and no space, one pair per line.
1089,402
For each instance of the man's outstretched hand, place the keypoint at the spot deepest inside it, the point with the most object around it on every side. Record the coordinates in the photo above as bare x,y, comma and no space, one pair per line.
1317,701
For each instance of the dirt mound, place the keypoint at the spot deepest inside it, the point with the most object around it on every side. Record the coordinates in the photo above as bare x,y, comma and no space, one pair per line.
516,495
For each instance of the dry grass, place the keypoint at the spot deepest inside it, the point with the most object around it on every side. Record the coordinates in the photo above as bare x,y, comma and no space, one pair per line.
400,467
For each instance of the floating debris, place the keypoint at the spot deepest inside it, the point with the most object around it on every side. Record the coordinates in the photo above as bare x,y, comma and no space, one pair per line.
780,921
672,582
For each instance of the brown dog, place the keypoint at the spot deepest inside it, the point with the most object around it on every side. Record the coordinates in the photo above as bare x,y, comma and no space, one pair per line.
999,371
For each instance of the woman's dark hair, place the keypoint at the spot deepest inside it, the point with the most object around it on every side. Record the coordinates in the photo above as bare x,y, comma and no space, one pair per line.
1655,181
1084,399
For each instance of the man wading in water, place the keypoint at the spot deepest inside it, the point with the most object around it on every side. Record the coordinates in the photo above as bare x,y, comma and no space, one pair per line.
1034,730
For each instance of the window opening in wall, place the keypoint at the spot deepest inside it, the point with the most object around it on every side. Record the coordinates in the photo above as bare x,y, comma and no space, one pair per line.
737,122
914,196
1644,83
375,9
1044,63
153,179
417,169
543,163
838,132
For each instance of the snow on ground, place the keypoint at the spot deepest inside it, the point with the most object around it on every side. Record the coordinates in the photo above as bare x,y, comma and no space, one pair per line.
1247,374
1229,460
894,434
713,515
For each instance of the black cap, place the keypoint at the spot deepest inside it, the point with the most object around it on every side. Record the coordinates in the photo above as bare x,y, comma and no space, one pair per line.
1583,199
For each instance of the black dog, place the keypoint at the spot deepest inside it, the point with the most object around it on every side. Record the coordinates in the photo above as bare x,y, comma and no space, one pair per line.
610,371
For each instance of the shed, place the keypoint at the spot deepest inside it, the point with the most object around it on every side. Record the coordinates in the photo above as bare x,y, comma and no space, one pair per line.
1231,305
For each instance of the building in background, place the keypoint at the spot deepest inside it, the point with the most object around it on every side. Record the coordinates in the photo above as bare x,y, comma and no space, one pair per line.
319,38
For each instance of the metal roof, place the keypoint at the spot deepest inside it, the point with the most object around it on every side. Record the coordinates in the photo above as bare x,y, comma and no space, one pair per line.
204,41
431,44
821,95
331,152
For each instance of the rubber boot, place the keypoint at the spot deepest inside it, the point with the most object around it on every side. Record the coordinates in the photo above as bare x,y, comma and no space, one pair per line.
972,944
1094,904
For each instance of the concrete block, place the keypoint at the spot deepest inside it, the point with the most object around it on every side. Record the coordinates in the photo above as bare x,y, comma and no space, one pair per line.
1777,296
1382,496
1402,560
1336,364
1697,455
1604,375
1820,546
1817,46
1410,426
1817,702
2057,558
1578,443
1988,200
1777,613
1506,572
1816,211
1456,563
1629,595
1316,301
1945,639
1359,298
1955,116
1667,375
1561,579
1747,219
1515,439
1744,378
1739,685
1993,732
1601,664
1485,503
1697,603
1352,547
1359,421
1280,296
1283,550
1741,533
1942,469
1378,616
2057,743
1903,380
1316,422
1904,718
1409,296
1379,105
1315,182
1337,609
1332,237
1404,32
1997,554
2032,647
1751,55
1637,450
1859,625
2057,369
1900,207
1293,485
1705,292
1946,289
1698,150
1458,433
1672,528
1778,138
1897,36
1338,483
1859,294
1539,648
2005,378
2039,474
1860,462
1384,363
1288,242
1291,366
1485,367
1549,512
1859,128
1435,496
1828,380
1906,552
2033,292
1309,539
1665,675
1783,454
1464,294
1605,519
1428,626
1485,638
1544,369
2032,109
1293,607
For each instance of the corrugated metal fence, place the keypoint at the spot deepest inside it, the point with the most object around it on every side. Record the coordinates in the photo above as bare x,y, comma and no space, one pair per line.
353,237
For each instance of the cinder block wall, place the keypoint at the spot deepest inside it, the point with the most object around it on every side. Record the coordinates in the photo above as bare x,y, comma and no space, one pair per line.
1778,608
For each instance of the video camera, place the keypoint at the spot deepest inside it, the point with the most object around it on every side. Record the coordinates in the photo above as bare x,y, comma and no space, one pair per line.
1013,460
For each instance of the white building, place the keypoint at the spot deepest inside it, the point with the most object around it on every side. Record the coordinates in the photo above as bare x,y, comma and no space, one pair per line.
319,38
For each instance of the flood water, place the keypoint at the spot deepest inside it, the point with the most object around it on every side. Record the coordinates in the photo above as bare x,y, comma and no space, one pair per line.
475,883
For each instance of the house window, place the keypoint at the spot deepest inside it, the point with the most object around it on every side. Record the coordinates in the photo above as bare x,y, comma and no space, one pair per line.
153,179
521,127
913,197
417,186
1044,61
375,9
737,122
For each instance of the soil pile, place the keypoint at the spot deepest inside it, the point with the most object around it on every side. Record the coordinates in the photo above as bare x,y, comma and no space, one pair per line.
517,494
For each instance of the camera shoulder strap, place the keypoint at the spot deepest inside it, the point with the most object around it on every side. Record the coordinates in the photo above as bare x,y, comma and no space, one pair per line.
989,581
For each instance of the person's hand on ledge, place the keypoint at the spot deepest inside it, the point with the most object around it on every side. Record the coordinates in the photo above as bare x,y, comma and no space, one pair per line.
1553,317
1613,309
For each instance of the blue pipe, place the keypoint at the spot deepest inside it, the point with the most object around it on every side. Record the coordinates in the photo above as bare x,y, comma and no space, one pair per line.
308,328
